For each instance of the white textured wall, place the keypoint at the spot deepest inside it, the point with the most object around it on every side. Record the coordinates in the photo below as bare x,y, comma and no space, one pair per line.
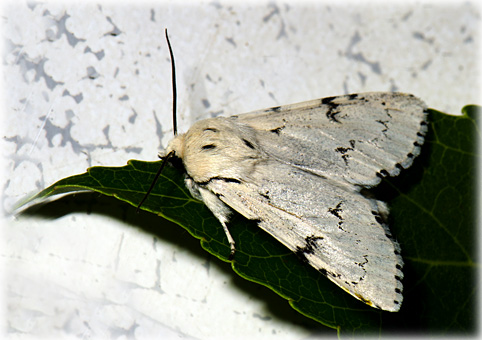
84,84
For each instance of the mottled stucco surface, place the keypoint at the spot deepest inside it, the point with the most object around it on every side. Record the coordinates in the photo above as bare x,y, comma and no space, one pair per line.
89,84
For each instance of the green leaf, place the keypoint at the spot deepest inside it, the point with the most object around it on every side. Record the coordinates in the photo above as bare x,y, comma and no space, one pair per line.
435,221
432,216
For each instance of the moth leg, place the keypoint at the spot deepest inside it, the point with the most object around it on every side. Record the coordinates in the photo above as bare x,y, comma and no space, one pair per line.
217,207
230,240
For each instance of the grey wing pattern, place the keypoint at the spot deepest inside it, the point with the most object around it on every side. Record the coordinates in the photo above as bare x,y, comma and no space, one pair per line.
354,138
335,228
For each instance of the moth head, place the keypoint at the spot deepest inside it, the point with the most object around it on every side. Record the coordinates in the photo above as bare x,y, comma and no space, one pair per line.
176,145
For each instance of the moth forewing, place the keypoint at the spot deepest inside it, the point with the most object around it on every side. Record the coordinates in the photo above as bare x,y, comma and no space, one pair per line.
298,170
353,138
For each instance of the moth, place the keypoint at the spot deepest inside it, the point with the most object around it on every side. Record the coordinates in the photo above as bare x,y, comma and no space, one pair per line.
299,171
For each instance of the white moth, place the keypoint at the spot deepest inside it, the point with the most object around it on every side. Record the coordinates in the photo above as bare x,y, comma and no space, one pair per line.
299,170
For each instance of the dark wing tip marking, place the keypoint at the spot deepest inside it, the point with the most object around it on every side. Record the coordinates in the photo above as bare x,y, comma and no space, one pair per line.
273,109
332,113
382,173
277,130
335,212
266,195
327,100
378,218
328,273
309,247
333,110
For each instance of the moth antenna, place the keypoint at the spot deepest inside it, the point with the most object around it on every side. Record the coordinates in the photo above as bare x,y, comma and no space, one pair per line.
174,122
174,88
